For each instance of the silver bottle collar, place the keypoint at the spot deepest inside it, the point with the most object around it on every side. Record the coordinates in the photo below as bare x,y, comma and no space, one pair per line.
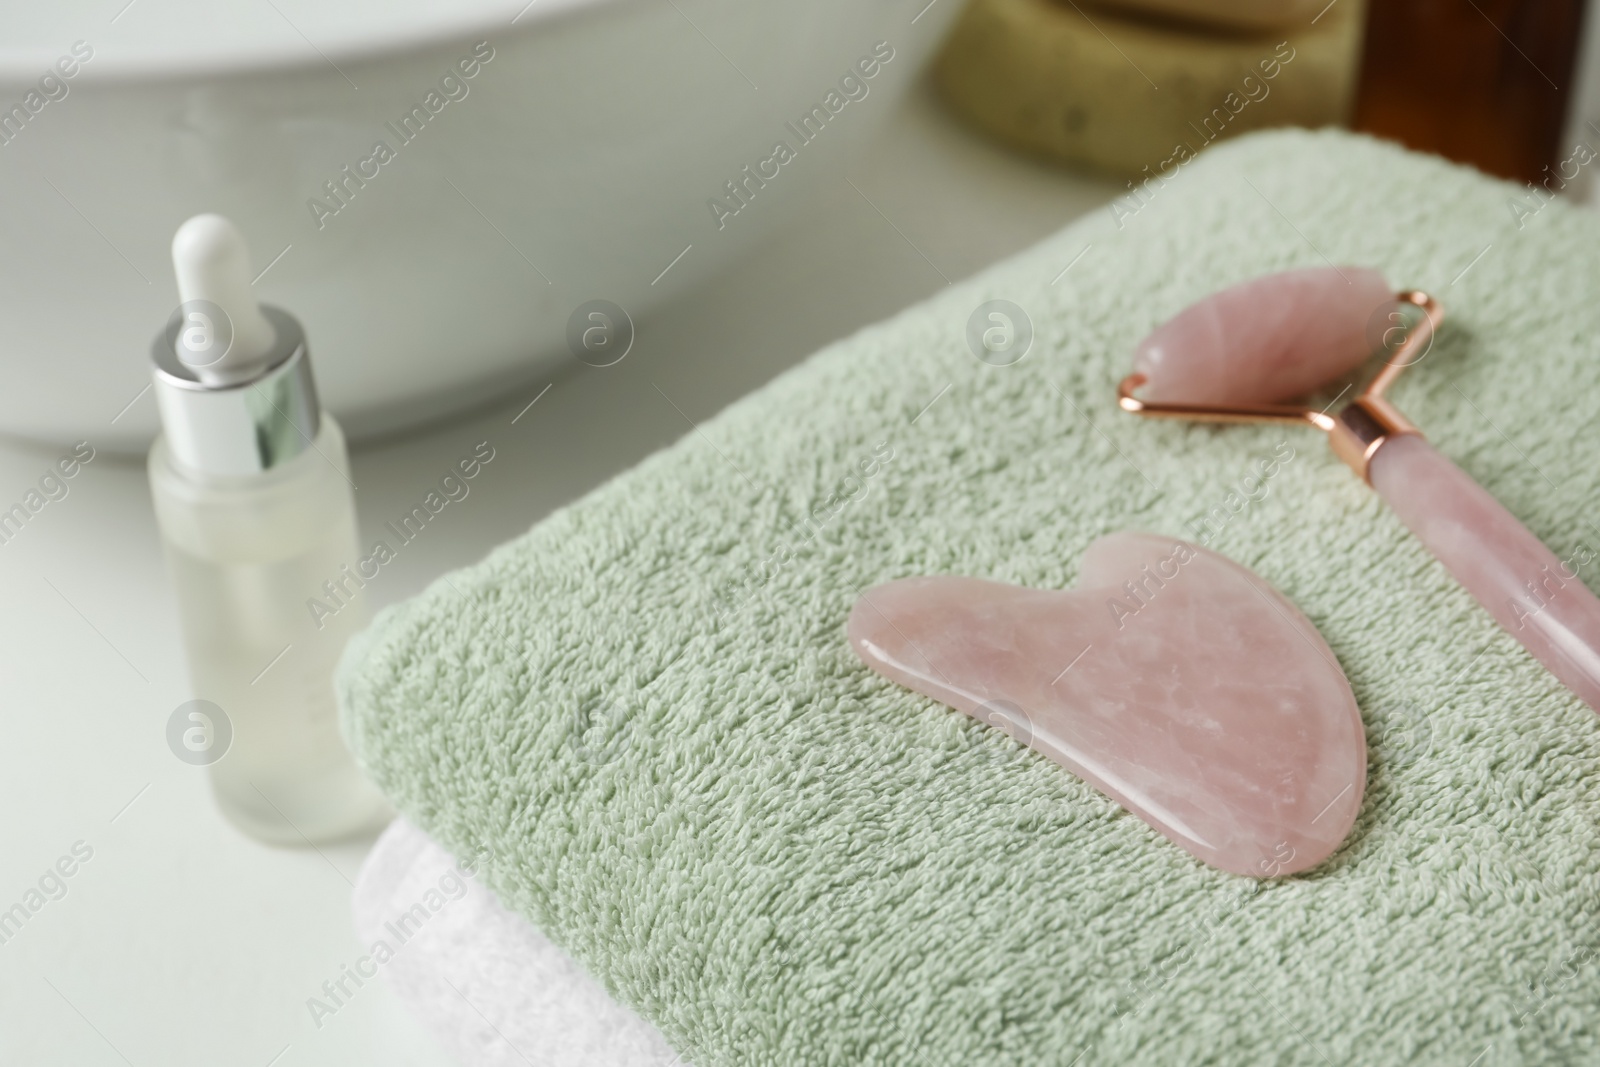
245,428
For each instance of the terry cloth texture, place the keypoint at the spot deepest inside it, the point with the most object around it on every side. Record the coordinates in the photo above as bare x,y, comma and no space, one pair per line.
490,987
647,711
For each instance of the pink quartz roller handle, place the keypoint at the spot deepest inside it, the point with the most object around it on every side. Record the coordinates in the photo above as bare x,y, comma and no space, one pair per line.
1537,597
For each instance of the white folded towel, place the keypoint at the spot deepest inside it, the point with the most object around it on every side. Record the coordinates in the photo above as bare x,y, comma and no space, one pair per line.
492,989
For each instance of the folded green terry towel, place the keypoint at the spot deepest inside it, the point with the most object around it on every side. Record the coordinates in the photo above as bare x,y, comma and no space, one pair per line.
646,710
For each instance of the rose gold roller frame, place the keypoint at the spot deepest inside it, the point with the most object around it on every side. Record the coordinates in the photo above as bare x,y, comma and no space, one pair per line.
1536,597
1355,433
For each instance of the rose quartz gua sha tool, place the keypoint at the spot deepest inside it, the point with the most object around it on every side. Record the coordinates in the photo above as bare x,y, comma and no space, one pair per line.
1237,355
1172,679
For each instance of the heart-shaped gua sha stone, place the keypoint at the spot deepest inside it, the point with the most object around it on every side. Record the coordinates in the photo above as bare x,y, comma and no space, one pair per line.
1173,680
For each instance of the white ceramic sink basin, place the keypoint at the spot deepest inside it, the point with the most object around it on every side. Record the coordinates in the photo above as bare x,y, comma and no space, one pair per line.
569,153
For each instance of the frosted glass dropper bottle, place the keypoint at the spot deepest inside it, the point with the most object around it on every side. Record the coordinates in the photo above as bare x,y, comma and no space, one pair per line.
253,497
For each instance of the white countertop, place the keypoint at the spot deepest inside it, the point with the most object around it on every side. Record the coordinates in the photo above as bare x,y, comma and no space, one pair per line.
181,942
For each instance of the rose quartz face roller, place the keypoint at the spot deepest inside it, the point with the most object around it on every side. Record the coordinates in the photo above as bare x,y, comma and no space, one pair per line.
1238,355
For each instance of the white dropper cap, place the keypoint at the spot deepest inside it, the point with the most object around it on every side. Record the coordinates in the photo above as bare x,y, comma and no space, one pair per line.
212,262
232,378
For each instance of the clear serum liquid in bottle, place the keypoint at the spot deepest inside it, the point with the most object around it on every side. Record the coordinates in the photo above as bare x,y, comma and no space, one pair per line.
253,497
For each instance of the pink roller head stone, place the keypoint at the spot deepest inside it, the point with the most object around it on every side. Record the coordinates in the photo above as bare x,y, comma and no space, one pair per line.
1240,354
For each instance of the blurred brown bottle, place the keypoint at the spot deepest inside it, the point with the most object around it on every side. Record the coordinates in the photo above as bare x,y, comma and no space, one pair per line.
1485,82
